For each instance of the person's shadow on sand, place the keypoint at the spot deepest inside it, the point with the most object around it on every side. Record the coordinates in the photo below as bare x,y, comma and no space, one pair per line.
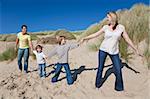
109,71
50,65
78,71
112,71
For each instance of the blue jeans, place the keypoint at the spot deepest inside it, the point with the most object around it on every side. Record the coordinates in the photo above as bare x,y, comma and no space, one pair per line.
117,70
23,53
68,73
42,71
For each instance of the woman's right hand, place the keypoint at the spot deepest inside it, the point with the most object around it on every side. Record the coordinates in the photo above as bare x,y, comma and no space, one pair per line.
84,39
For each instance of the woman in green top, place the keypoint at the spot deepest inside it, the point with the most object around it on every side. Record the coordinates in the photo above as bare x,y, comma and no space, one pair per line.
24,41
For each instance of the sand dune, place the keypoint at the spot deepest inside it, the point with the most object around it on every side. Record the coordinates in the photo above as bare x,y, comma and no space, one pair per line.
83,65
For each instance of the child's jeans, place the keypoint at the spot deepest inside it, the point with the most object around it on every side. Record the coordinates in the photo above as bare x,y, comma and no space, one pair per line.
42,71
68,73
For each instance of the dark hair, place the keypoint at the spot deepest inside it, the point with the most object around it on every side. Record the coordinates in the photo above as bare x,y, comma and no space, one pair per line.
62,36
39,46
24,26
60,39
114,27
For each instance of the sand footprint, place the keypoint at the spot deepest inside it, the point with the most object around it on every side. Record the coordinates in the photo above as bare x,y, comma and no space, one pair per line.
12,86
8,80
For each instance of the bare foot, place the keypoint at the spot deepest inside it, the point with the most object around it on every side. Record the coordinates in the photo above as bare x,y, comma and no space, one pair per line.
19,73
125,93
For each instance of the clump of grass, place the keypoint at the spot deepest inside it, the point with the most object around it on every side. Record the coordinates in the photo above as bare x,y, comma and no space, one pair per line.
11,38
92,29
137,25
123,47
8,54
96,45
42,33
8,37
2,37
147,52
77,34
93,47
147,57
52,38
34,37
33,56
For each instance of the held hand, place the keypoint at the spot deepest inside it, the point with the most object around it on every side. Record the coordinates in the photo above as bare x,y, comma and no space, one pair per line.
83,40
46,57
80,42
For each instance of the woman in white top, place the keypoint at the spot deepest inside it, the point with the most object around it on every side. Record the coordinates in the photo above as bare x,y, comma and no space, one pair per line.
113,32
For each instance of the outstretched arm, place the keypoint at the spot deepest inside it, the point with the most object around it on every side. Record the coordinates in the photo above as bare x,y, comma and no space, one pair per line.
93,35
129,41
52,53
74,45
44,56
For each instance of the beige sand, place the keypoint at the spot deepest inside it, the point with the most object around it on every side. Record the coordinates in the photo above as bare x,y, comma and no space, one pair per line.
20,86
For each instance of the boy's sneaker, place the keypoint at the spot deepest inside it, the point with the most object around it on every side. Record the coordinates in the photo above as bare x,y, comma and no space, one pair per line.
43,75
25,72
42,78
54,80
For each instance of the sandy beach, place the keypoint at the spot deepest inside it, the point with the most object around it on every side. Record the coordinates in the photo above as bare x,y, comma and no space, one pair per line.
83,64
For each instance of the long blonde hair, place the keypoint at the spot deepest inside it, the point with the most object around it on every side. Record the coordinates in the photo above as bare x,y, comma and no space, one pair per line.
114,20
